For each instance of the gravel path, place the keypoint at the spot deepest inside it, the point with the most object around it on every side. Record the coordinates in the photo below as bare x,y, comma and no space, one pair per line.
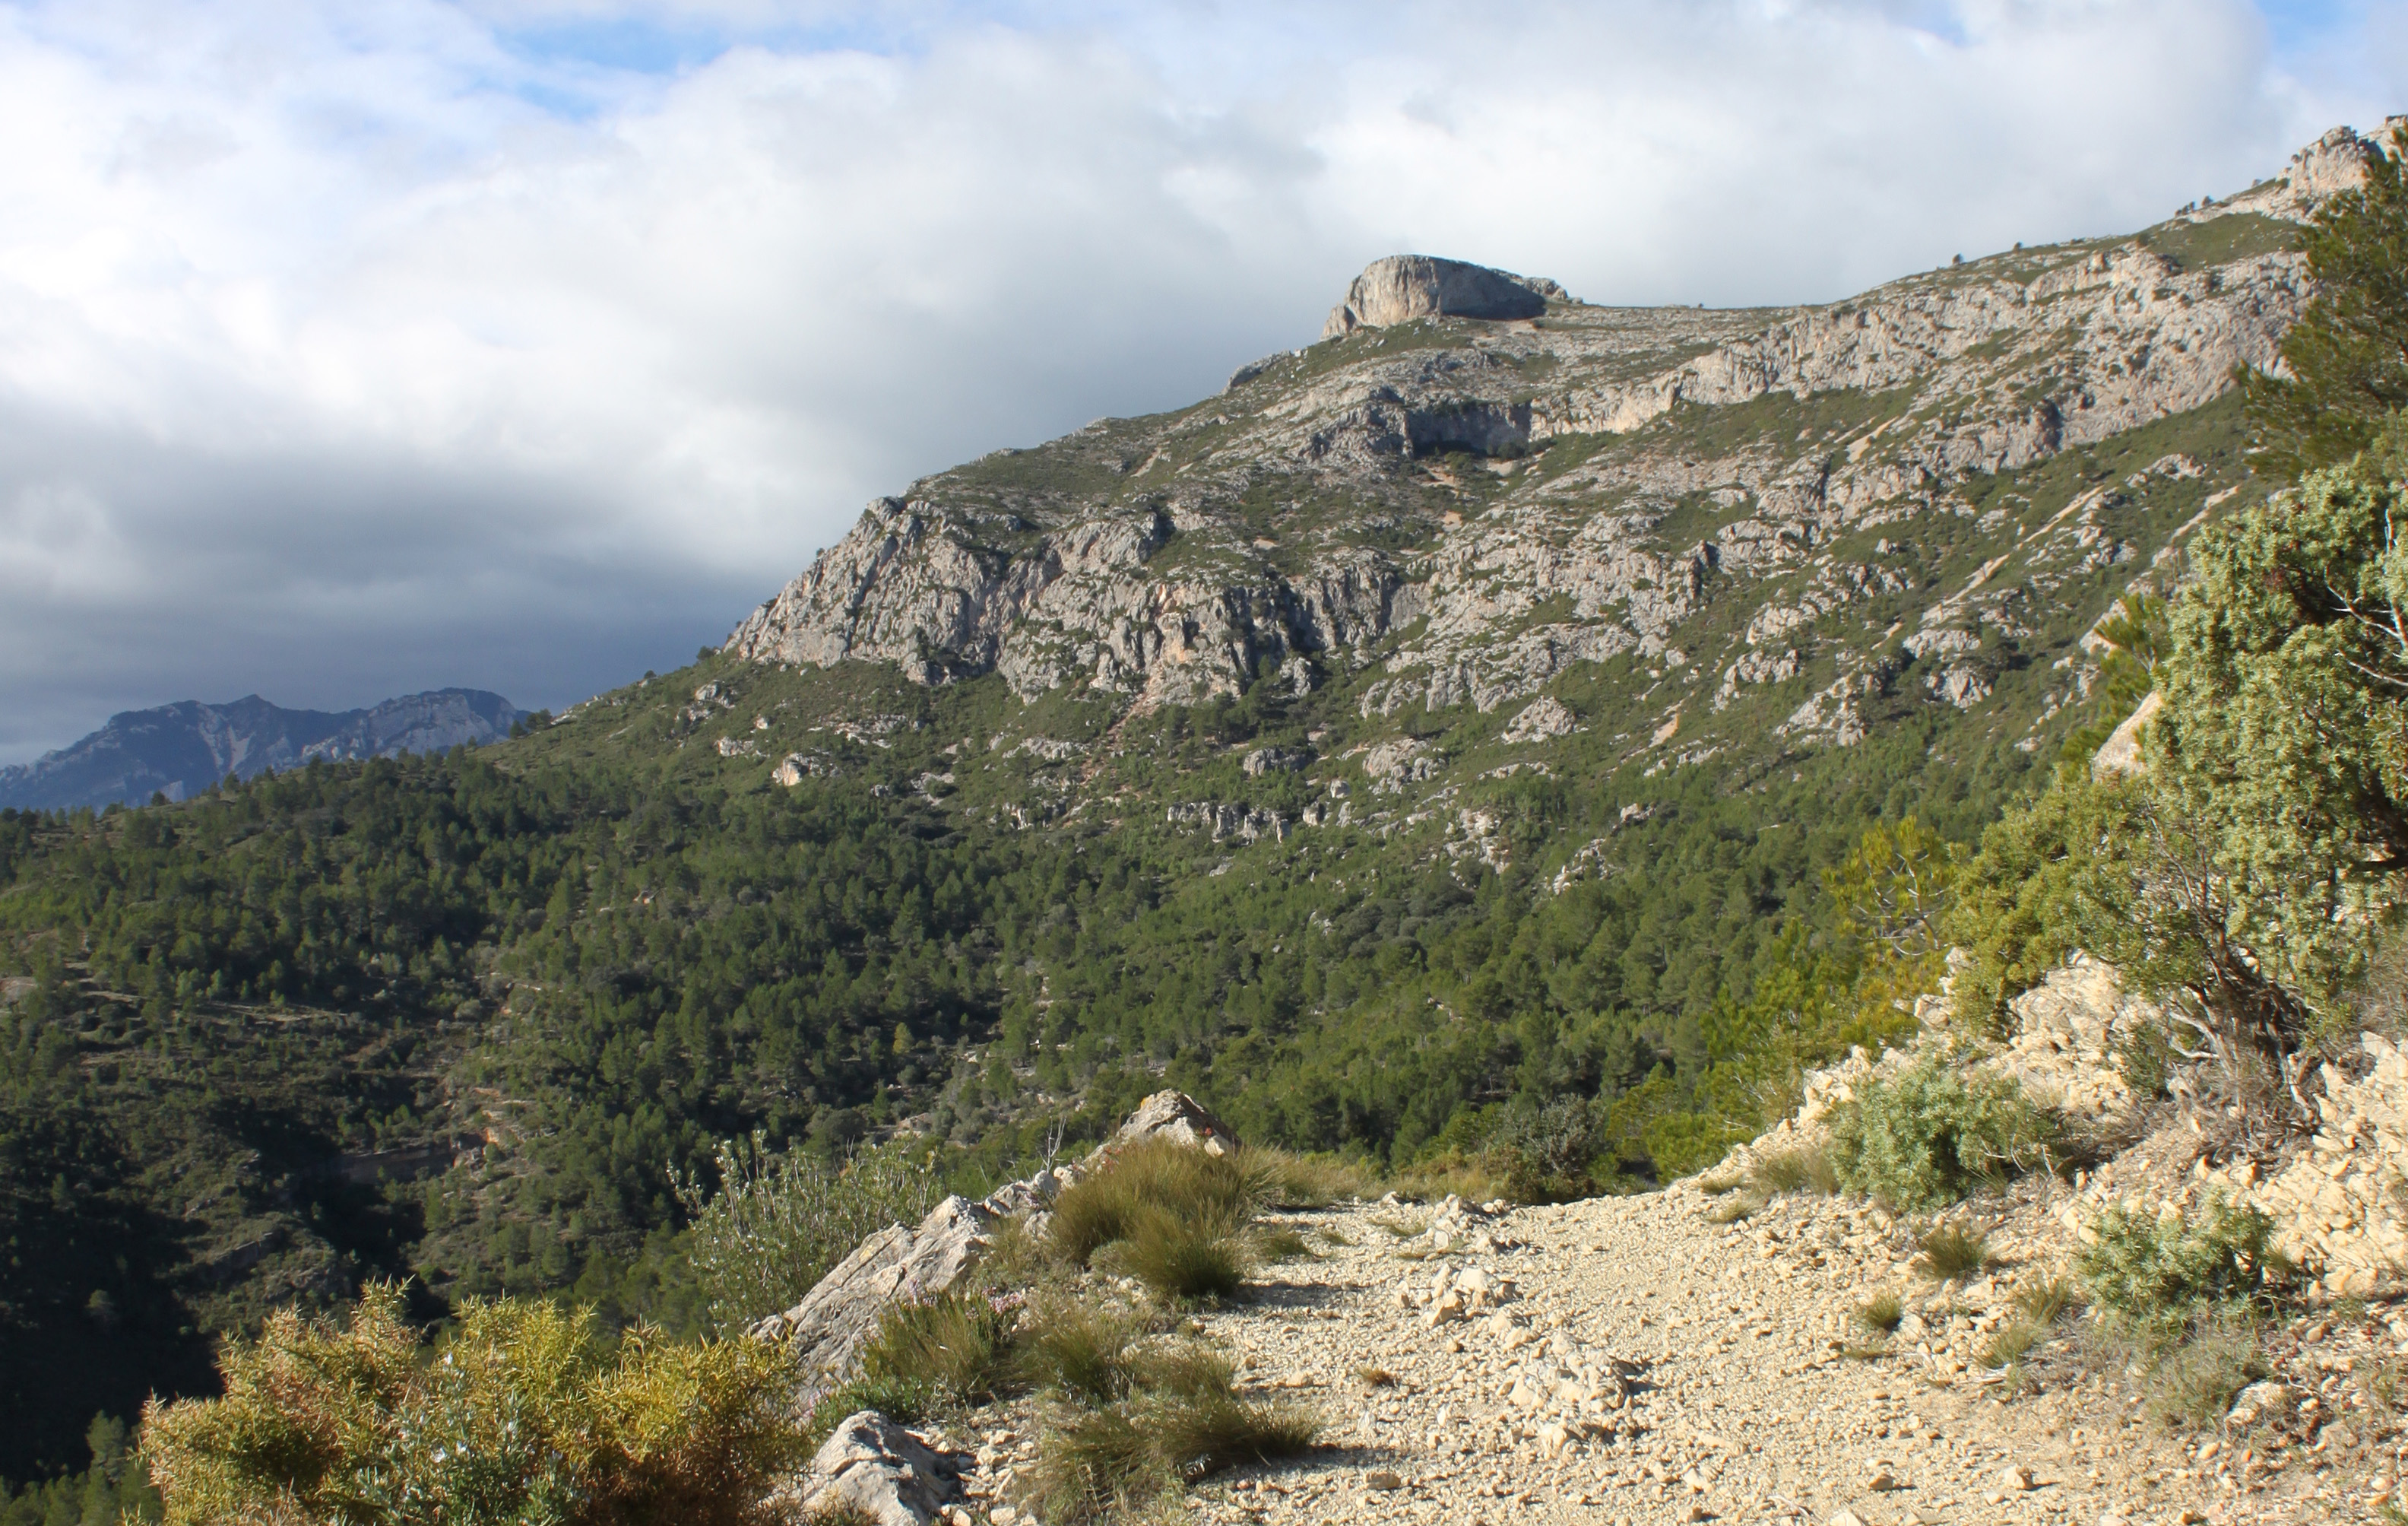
1629,1360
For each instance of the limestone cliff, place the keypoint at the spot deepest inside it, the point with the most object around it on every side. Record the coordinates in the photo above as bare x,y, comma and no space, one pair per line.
1476,483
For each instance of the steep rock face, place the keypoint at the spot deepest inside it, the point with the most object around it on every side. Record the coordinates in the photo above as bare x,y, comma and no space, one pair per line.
181,748
1457,511
1404,287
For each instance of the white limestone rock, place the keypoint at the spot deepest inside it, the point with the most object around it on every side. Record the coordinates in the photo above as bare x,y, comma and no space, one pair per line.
1403,287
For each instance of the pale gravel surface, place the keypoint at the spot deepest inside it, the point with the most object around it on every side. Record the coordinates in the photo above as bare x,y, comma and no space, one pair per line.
1742,1408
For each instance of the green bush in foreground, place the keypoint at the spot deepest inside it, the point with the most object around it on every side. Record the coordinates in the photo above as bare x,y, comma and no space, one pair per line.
1931,1134
2168,1271
523,1417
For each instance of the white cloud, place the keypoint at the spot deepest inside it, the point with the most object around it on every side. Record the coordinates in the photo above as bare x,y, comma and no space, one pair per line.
354,347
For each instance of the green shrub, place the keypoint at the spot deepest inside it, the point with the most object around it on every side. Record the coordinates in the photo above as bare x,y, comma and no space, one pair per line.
523,1417
778,1222
1927,1135
2165,1271
1546,1152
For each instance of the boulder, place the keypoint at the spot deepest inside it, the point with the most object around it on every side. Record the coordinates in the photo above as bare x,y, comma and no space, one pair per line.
828,1328
835,1318
1176,1116
1403,287
875,1468
2121,752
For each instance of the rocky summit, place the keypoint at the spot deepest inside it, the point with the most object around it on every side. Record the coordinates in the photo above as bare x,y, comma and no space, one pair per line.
1793,520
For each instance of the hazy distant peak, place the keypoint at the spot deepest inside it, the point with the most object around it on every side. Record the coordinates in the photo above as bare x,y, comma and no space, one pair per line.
181,748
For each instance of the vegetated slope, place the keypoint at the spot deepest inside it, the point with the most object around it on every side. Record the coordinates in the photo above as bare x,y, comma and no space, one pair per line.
1447,719
178,750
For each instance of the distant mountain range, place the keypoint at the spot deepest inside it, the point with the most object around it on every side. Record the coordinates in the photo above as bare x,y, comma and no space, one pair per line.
179,749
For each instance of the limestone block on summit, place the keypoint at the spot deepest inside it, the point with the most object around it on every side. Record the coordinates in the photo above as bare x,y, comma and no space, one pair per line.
875,1468
1403,287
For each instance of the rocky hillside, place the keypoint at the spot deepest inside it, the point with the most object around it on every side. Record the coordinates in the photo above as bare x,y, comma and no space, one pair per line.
178,750
1773,520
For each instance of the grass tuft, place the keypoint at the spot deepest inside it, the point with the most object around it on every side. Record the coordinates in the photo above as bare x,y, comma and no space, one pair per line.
1156,1178
1880,1313
2195,1385
956,1345
1079,1349
1273,1244
1275,1178
2012,1341
1181,1421
1732,1209
1795,1171
2047,1299
1181,1258
1951,1250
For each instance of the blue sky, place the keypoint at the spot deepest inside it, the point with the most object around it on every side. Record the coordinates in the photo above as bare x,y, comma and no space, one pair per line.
347,349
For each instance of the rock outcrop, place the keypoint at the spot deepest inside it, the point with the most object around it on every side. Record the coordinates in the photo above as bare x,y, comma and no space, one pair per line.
870,1465
1175,1117
828,1328
1372,510
825,1331
874,1468
1403,287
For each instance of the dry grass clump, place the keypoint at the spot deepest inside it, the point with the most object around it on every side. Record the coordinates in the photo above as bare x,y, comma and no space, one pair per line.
2047,1299
1181,1258
1170,1205
1278,1178
524,1418
1798,1170
1951,1249
1182,1421
1880,1313
1732,1209
2012,1341
2193,1385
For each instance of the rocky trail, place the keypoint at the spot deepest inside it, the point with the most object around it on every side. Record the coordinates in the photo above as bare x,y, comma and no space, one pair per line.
1630,1360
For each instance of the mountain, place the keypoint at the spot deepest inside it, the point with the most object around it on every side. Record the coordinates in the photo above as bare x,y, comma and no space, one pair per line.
178,750
1439,736
1474,486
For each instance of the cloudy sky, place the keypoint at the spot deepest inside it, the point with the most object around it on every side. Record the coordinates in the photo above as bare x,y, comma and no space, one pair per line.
352,348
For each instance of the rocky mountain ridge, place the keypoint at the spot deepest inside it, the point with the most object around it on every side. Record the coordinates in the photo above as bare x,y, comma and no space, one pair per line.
177,750
1453,510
